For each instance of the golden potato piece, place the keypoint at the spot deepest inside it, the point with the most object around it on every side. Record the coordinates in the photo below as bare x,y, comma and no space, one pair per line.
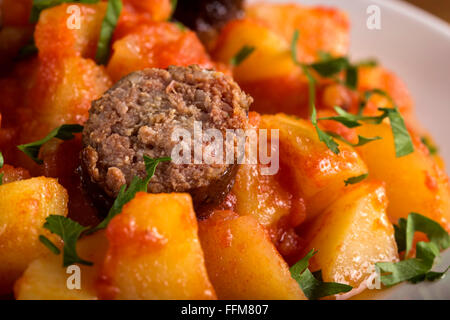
352,235
24,206
271,57
414,183
241,260
260,196
321,28
317,173
46,279
69,30
154,251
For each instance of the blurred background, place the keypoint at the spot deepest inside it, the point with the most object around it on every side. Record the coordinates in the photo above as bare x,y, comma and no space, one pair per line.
440,8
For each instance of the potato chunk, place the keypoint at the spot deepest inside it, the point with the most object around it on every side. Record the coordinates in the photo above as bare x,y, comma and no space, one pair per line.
317,173
154,251
60,92
156,45
352,235
242,261
46,278
271,57
414,183
55,39
321,28
24,206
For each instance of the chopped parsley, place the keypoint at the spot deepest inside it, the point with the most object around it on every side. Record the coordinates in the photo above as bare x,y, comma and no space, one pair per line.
311,283
64,132
331,67
173,4
323,136
357,179
127,194
46,242
432,149
2,162
415,269
109,23
27,50
241,55
70,231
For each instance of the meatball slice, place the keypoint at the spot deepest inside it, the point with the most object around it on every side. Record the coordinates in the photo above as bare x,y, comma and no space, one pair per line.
143,113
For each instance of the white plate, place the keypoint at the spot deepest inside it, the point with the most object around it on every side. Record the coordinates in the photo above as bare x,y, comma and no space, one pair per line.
416,46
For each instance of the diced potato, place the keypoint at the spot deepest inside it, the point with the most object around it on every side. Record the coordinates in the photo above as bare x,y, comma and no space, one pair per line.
158,10
24,206
352,235
271,57
321,29
260,196
154,251
46,278
241,260
61,92
156,45
414,183
55,39
380,78
317,174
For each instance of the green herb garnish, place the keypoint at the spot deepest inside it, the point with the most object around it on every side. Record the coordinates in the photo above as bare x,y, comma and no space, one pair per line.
357,179
432,149
323,136
27,50
241,55
311,283
64,132
330,67
107,29
50,245
402,139
371,63
180,26
2,162
419,268
173,4
127,194
70,231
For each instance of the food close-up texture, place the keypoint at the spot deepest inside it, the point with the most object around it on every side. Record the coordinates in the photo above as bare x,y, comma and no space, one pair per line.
91,93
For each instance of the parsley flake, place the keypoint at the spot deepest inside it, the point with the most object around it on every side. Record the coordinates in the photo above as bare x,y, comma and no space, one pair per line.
109,23
241,55
69,231
432,149
127,194
311,283
418,268
357,179
64,132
